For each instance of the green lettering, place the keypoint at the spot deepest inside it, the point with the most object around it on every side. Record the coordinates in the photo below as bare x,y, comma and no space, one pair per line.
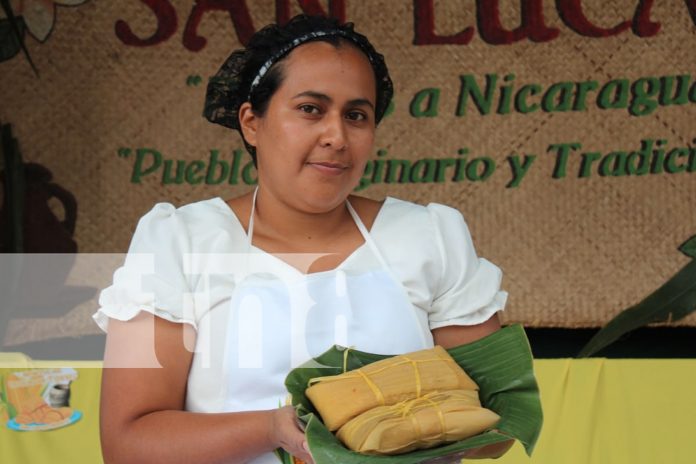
562,152
505,95
470,87
213,163
692,160
671,160
460,169
431,97
642,156
519,169
140,156
521,104
442,165
404,172
236,162
423,170
178,178
614,94
644,90
586,163
247,177
366,178
472,170
581,94
192,172
614,164
676,97
558,97
658,159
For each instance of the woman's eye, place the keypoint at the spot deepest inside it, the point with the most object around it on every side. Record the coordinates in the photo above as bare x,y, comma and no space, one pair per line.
309,109
357,116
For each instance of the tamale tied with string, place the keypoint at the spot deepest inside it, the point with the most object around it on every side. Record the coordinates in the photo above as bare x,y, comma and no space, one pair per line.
425,422
342,397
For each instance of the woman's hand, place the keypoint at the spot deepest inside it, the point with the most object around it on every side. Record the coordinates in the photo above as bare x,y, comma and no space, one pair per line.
287,434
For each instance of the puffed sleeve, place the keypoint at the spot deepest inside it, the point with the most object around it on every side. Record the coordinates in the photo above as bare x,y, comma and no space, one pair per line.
468,291
152,277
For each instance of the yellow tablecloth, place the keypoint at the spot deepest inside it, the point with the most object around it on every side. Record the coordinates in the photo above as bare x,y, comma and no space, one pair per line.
596,411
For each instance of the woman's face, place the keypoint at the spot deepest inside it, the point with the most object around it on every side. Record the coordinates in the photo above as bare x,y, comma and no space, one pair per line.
315,138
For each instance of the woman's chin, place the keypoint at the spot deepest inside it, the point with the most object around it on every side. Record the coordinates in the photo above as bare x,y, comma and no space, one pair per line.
323,199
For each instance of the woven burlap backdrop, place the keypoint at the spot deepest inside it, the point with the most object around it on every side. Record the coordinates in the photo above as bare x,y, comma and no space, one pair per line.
574,251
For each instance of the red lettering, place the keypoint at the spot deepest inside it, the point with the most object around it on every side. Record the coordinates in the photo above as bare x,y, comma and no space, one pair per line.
642,26
571,13
337,9
532,27
424,22
166,25
239,14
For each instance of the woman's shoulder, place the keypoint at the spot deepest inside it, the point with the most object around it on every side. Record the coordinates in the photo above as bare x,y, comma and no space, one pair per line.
191,213
396,222
193,222
399,213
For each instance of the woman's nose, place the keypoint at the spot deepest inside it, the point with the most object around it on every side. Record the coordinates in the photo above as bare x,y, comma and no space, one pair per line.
334,134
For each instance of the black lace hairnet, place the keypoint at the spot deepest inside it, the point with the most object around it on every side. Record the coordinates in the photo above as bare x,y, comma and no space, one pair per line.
245,69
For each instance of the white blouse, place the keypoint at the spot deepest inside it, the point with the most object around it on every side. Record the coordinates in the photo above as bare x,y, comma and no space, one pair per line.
257,317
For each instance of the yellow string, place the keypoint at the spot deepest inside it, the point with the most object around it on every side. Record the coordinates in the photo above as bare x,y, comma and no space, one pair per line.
345,358
373,387
441,416
408,406
414,421
416,372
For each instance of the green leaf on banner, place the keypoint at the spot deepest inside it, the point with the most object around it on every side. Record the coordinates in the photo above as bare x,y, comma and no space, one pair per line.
689,247
10,45
674,300
501,364
16,26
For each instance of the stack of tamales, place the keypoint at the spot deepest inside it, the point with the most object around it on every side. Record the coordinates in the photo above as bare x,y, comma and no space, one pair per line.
412,401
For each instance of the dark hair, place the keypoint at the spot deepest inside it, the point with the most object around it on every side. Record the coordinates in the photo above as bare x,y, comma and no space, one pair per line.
254,73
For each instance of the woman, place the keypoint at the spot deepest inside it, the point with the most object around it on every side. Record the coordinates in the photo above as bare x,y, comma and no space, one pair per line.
227,297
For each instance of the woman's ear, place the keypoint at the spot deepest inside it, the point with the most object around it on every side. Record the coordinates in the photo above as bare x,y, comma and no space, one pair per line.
248,122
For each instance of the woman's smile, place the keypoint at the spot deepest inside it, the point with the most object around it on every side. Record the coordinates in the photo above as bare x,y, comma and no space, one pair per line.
329,168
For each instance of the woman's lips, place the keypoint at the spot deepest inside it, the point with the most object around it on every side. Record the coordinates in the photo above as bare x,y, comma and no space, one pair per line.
331,169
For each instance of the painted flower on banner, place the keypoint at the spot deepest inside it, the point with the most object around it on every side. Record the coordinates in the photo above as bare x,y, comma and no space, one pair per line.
35,16
40,15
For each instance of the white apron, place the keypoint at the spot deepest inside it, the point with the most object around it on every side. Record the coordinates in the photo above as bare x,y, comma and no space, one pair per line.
279,318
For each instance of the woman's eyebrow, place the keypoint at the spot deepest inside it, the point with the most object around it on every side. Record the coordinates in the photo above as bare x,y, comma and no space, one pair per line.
326,98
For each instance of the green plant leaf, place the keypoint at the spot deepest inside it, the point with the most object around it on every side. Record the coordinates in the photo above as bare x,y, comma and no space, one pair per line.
674,300
501,364
689,247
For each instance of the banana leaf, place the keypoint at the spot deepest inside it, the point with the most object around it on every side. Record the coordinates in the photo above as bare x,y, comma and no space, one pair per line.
674,300
501,364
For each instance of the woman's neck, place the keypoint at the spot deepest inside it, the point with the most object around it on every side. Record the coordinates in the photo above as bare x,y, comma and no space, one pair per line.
282,225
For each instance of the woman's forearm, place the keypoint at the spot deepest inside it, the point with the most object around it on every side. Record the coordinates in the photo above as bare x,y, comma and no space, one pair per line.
187,437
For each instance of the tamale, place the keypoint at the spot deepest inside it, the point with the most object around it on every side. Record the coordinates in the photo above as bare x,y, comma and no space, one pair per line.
341,397
425,422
